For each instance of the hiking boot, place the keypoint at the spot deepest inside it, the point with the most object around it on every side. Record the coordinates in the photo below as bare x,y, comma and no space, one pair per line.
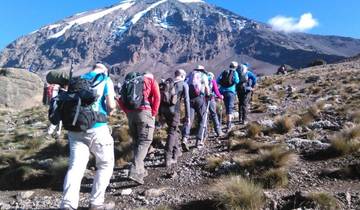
138,178
185,145
106,206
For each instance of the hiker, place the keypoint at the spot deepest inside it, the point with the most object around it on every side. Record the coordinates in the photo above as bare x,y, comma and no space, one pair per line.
198,91
214,96
172,93
244,91
140,100
282,70
228,80
89,138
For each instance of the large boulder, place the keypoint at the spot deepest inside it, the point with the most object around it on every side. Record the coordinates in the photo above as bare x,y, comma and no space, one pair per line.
20,89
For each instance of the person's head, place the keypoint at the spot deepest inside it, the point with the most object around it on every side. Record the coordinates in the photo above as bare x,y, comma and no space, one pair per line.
180,73
211,75
100,68
233,65
244,68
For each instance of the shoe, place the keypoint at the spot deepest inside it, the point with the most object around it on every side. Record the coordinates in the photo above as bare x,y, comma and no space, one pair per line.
137,178
106,206
199,144
67,207
170,162
220,134
185,145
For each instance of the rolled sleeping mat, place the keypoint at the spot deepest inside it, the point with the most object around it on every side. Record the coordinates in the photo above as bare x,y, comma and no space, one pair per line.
58,77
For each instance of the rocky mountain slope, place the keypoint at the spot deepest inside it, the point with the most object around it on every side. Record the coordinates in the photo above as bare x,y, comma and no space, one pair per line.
161,35
300,150
20,89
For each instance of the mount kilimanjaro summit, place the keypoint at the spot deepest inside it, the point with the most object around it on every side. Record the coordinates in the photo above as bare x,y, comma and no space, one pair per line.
161,35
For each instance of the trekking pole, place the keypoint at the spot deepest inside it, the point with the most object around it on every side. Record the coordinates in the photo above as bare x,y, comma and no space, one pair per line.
71,71
205,123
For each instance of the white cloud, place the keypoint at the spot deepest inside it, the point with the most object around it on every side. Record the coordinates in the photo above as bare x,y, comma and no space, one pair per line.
290,24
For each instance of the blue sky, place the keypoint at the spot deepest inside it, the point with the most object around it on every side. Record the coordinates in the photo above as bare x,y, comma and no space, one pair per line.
332,17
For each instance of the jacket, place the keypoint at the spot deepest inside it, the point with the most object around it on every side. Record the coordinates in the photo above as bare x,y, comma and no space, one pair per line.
151,95
232,88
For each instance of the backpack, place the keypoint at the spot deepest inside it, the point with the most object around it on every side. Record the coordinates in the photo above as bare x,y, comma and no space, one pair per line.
132,91
195,84
74,107
169,96
227,78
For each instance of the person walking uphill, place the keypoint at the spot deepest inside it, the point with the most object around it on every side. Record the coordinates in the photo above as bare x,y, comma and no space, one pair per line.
172,94
244,90
83,140
228,80
215,94
140,100
198,82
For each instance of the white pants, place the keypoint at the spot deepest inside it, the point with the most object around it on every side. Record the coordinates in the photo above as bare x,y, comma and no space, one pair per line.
100,143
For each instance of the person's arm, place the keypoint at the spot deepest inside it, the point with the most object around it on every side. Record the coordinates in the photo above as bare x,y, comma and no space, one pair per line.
216,89
110,97
186,100
155,97
253,79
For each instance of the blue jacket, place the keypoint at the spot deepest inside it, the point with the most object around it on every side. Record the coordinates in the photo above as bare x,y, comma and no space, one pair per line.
232,88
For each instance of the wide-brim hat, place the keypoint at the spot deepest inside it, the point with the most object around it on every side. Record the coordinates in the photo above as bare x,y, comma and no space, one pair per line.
234,65
200,68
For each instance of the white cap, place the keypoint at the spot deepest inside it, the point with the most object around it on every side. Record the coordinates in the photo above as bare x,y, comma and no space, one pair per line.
100,68
234,65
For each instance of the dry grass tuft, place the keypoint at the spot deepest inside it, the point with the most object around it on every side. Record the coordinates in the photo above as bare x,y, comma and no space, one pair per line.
283,125
237,193
253,130
347,141
324,200
275,178
213,162
58,170
355,117
275,158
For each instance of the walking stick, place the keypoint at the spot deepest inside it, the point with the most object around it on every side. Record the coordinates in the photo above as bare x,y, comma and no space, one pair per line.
205,123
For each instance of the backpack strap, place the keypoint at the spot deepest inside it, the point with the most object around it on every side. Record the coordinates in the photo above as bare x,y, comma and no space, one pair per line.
94,82
77,111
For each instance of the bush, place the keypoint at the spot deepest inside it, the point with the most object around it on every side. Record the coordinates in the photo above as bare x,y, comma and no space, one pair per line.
283,125
324,200
347,141
275,178
212,163
237,193
253,130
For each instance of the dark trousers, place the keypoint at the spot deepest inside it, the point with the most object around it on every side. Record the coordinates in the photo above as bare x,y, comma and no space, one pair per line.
244,100
198,106
172,120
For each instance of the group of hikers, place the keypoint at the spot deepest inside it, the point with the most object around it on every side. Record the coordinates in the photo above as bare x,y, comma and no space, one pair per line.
85,102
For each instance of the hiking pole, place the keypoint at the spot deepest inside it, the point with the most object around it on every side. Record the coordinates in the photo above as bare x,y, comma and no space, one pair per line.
71,71
205,123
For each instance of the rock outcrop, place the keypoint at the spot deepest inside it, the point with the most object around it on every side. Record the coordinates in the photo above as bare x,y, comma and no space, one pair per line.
20,89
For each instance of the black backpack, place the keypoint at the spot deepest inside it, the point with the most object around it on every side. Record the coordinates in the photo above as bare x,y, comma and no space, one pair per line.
74,107
227,78
132,90
169,96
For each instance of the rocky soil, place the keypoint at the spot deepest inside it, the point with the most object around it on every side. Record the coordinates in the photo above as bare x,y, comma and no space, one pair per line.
298,117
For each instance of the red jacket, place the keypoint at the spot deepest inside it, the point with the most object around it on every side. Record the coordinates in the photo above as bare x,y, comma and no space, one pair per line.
151,94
